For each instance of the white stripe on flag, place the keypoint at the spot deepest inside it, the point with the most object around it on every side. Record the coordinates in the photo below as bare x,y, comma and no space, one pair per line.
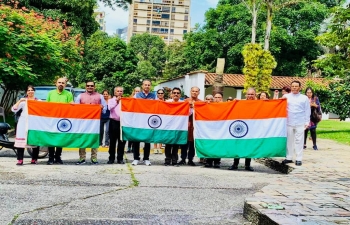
222,129
144,121
50,124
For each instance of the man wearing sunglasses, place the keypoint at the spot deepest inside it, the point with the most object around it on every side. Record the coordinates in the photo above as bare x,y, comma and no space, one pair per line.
145,94
90,97
171,150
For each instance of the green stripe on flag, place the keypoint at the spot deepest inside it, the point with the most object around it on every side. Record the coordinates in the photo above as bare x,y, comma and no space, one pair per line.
70,140
241,148
155,135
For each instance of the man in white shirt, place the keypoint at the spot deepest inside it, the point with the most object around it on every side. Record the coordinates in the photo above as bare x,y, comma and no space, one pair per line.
298,120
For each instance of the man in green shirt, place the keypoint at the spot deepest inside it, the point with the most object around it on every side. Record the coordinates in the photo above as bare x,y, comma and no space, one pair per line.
63,96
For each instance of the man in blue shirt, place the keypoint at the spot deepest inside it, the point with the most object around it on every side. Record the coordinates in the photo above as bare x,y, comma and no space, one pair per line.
145,94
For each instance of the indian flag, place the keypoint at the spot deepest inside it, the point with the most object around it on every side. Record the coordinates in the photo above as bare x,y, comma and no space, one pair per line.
63,125
154,121
241,129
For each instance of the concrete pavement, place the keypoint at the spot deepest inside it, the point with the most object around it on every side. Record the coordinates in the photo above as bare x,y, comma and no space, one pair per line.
318,192
125,194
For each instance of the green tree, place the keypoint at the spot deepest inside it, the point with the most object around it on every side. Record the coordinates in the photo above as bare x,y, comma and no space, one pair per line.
150,48
176,62
33,50
259,64
109,60
336,62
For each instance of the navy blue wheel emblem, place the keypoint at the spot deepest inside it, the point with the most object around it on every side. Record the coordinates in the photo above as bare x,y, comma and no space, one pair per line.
238,129
154,121
64,125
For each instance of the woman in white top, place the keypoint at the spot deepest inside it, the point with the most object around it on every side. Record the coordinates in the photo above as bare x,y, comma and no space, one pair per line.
21,131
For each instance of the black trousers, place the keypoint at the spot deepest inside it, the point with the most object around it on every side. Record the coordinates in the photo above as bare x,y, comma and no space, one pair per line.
171,153
114,135
210,161
313,135
53,154
20,153
130,143
247,162
190,147
136,150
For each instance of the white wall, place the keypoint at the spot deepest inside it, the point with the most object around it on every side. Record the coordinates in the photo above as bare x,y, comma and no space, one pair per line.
185,83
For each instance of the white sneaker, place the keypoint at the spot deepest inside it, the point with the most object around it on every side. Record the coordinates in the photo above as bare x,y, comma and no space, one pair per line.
135,162
147,162
155,151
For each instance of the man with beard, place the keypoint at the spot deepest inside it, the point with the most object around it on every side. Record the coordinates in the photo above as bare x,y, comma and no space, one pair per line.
90,97
251,95
63,96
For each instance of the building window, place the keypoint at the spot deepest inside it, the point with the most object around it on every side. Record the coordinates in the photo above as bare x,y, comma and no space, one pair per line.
185,25
101,28
135,21
148,22
171,31
101,20
165,16
173,9
181,2
136,6
171,38
149,7
172,16
185,31
134,28
165,9
186,10
147,29
135,13
156,23
186,18
171,24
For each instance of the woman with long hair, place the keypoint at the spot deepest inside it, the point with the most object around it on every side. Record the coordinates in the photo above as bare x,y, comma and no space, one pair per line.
104,124
315,106
21,131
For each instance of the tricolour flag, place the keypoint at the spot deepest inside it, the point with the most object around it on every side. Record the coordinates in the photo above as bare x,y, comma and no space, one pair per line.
154,121
241,129
63,125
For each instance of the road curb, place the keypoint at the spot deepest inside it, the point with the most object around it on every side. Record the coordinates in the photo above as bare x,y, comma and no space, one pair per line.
275,164
252,211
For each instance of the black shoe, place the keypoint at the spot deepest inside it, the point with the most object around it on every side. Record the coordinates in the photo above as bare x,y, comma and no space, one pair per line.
249,168
217,165
191,163
175,164
315,147
233,167
207,165
50,162
80,162
59,161
304,146
182,162
120,162
286,161
110,162
166,164
298,163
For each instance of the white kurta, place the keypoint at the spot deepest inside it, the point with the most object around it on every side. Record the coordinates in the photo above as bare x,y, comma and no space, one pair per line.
22,131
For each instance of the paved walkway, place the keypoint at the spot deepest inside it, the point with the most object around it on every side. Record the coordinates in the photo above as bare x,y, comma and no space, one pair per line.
318,192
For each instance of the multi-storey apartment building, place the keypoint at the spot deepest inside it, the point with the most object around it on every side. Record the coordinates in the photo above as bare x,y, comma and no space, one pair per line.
169,19
100,19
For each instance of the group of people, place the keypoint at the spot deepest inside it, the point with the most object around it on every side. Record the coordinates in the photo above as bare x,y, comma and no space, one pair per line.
299,122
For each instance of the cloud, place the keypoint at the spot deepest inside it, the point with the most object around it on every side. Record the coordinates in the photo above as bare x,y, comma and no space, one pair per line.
114,19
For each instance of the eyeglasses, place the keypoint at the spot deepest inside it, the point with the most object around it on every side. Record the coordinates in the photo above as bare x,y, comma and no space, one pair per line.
176,93
160,93
90,85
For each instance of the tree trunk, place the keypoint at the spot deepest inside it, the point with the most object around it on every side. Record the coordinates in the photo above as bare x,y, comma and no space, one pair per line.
254,17
8,99
218,86
269,4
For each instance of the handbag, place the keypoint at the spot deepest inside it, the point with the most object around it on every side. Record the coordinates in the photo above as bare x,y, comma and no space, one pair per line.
317,114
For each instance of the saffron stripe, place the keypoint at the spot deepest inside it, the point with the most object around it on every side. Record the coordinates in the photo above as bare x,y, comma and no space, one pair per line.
154,107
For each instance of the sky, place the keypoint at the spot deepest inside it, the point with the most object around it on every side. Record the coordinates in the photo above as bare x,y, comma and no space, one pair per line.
119,18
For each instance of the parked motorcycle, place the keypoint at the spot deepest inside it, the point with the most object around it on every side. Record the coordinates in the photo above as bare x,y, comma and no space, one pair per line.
5,142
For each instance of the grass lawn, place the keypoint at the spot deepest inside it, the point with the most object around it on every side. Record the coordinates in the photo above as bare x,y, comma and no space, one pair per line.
335,130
